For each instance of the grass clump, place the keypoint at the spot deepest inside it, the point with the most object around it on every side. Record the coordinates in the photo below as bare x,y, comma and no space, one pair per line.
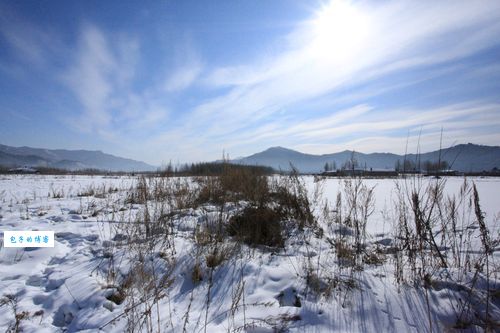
116,297
12,301
232,184
257,226
213,260
197,273
290,194
375,257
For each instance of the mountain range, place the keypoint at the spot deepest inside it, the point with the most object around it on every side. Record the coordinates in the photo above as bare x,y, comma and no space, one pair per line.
68,159
463,157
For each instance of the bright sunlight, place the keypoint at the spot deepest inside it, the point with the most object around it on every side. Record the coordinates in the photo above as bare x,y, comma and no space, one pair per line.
338,31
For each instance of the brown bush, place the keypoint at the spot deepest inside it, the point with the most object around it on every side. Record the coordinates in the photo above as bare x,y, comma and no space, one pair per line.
217,256
293,206
290,194
233,184
245,184
257,226
197,274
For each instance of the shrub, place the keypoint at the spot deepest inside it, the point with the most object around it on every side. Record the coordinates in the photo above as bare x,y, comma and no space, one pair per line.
234,183
209,190
214,259
197,274
345,253
374,257
290,194
257,226
245,184
116,297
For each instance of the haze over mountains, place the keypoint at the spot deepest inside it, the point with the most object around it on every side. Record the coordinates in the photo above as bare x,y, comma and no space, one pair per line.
68,159
463,157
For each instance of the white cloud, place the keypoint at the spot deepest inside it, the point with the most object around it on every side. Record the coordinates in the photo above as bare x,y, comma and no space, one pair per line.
363,128
372,41
398,144
473,121
309,91
183,77
395,36
90,78
187,68
100,78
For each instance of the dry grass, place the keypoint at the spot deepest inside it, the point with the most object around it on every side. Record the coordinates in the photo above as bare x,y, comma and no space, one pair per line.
217,256
197,273
258,226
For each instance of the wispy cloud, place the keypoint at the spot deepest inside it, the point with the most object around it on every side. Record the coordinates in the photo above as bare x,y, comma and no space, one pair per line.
472,121
397,37
393,37
186,69
183,77
319,88
101,78
90,78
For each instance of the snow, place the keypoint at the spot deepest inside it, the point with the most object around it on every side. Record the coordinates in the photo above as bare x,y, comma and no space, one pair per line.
66,288
385,194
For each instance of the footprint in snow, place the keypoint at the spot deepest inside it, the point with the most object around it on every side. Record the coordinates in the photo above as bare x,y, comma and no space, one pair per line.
56,218
40,299
36,281
54,284
55,261
64,316
75,218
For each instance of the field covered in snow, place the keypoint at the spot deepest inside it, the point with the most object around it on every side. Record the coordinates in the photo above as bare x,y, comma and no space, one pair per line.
148,256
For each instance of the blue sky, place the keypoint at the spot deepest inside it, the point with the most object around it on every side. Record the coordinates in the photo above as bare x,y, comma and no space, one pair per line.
185,80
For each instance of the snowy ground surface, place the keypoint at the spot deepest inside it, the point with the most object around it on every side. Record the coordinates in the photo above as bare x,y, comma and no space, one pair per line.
70,287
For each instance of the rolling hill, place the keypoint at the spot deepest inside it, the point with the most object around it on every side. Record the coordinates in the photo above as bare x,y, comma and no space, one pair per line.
463,157
68,159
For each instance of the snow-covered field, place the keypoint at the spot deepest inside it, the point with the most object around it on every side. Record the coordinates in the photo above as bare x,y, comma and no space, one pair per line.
95,276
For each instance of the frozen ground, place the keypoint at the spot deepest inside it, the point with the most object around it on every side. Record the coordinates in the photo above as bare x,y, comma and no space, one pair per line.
75,286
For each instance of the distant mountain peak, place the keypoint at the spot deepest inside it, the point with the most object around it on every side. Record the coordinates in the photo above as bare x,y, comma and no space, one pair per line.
279,148
279,151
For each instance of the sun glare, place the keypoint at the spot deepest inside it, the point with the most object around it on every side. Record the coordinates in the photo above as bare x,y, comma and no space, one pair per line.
338,31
